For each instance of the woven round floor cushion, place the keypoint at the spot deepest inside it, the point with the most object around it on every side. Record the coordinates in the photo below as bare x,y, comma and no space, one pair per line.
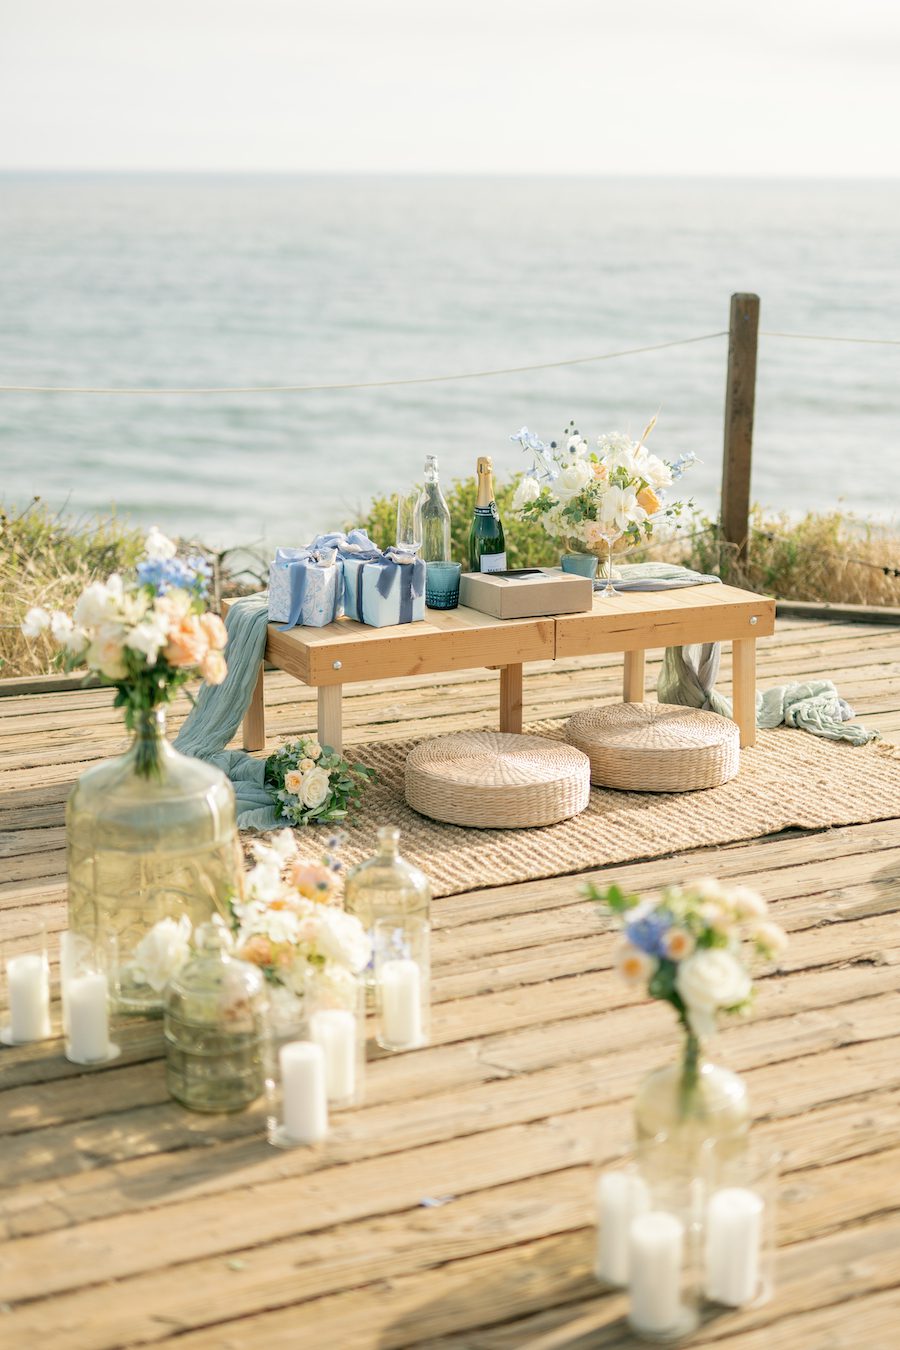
493,780
656,747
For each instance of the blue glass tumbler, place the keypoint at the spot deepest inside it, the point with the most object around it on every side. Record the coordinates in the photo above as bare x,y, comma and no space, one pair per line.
442,585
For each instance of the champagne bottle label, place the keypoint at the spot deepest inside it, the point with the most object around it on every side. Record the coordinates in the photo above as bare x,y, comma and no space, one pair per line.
493,562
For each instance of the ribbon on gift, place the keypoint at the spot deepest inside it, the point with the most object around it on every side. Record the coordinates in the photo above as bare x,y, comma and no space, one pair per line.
297,561
356,544
394,566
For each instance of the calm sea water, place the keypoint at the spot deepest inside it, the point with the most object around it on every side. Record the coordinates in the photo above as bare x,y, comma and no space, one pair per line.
208,280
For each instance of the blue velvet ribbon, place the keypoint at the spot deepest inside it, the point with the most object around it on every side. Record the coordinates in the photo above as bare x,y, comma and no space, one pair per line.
409,575
298,575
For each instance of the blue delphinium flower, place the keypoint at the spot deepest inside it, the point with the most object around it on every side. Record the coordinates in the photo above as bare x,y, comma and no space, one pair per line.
648,930
163,574
683,462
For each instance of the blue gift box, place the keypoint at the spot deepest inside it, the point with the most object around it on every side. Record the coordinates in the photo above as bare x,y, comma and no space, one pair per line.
386,589
306,586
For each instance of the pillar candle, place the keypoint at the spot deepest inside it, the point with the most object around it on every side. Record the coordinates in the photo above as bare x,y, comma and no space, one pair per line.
28,982
621,1196
304,1098
87,1017
401,1002
334,1029
733,1242
655,1252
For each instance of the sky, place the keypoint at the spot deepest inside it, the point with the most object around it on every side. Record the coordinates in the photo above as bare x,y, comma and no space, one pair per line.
712,87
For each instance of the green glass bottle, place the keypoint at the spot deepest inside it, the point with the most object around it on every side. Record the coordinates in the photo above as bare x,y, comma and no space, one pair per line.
487,546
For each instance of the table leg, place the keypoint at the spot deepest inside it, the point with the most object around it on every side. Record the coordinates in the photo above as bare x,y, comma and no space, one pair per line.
633,688
743,661
330,730
254,724
511,698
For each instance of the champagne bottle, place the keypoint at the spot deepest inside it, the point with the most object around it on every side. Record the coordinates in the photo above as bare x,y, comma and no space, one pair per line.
434,515
487,546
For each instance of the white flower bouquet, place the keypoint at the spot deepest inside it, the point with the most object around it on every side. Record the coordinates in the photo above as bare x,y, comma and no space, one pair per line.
592,498
290,923
313,784
692,945
146,635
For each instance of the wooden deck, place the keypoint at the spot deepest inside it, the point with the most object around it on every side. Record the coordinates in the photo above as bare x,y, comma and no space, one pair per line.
128,1221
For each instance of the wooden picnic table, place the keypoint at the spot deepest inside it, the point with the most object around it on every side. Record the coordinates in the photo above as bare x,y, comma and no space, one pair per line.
454,1208
345,652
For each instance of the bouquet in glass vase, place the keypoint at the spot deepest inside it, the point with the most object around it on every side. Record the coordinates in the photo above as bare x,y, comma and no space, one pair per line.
692,947
151,838
146,635
592,499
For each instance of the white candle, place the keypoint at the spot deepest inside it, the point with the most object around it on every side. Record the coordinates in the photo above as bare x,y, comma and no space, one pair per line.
304,1099
733,1242
87,1016
28,981
655,1247
401,1002
334,1029
620,1197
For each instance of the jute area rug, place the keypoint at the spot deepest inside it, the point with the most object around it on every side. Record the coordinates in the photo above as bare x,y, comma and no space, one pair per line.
789,779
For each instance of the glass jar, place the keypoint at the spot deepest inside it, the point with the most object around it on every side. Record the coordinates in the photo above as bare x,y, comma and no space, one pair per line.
693,1101
386,885
402,981
150,835
215,1026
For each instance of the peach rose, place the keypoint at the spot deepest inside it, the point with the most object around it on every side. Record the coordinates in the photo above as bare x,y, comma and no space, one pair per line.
312,880
601,471
187,645
214,628
648,499
293,781
213,668
258,950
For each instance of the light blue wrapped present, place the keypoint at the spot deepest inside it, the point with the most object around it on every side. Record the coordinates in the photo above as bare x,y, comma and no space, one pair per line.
306,586
386,589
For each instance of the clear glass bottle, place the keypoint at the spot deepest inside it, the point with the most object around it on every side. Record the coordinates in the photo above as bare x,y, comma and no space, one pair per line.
215,1026
386,885
150,835
487,545
434,515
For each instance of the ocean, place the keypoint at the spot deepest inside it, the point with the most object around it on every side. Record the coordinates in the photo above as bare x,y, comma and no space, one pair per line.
212,280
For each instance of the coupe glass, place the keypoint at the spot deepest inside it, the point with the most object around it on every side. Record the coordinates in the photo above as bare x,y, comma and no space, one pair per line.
409,522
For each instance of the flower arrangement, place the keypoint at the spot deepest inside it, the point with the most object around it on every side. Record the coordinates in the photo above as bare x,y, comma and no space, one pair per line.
146,635
312,783
690,947
594,497
290,923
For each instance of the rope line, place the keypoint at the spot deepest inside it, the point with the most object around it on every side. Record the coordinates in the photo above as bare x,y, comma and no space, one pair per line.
828,337
367,384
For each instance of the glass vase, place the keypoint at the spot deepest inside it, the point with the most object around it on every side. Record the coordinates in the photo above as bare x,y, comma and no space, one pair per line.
216,1027
693,1102
150,835
386,885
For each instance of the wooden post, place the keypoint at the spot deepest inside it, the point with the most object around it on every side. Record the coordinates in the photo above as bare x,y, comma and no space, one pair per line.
740,393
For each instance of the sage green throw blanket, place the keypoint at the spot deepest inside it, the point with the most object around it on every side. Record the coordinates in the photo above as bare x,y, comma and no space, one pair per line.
688,677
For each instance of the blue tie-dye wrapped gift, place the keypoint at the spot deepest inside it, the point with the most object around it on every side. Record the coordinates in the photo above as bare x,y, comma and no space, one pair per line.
386,589
306,586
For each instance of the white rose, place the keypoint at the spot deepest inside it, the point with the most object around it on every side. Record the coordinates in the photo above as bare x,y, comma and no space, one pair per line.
158,546
747,904
771,939
148,637
527,490
650,467
342,938
708,981
99,602
573,479
36,621
162,952
306,764
105,652
313,749
315,788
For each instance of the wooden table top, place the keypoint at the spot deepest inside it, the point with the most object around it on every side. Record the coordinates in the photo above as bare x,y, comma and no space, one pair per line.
460,639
